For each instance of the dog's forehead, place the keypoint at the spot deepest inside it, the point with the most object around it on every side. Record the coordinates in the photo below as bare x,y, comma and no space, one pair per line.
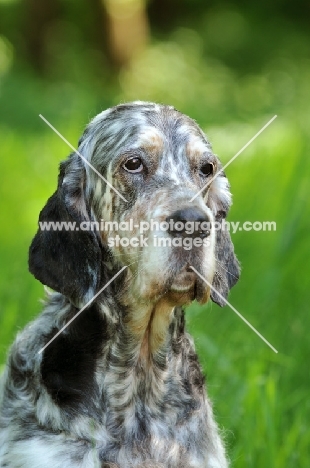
153,127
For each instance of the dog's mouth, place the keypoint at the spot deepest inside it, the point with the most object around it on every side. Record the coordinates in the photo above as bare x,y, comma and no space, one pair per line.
184,281
187,286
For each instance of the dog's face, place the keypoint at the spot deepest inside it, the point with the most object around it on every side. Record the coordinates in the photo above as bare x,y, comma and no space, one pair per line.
156,159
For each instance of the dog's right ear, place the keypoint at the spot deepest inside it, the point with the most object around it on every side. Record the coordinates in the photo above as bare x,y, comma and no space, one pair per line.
227,270
68,261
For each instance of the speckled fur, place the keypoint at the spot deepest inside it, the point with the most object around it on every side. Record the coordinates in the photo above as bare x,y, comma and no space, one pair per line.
121,387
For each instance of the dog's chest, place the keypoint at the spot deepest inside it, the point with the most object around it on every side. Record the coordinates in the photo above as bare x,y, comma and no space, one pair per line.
151,415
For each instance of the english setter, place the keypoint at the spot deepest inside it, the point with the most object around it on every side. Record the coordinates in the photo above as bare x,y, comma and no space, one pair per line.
121,385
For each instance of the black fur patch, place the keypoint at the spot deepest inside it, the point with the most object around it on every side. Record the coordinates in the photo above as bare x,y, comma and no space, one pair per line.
55,256
69,362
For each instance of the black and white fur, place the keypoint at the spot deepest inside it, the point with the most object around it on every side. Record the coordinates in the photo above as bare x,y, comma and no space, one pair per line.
121,387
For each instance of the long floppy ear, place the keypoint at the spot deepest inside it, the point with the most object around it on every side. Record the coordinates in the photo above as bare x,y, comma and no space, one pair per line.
227,269
67,261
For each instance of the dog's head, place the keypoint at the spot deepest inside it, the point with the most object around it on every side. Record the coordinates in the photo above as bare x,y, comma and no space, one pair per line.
131,190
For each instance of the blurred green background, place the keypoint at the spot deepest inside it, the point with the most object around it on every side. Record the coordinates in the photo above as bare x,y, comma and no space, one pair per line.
231,66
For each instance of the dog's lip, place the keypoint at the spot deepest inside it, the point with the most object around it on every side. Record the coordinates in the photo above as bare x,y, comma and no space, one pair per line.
183,281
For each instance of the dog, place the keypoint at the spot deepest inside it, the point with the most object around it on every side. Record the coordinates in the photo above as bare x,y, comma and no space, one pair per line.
107,375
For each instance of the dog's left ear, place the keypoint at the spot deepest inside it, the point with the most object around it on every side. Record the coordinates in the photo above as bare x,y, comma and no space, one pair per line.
67,259
227,269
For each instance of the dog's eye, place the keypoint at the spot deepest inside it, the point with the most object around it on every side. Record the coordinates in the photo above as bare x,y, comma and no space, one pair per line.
133,165
206,169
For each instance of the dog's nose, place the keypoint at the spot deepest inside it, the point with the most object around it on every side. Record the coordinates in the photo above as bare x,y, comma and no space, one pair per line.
189,222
